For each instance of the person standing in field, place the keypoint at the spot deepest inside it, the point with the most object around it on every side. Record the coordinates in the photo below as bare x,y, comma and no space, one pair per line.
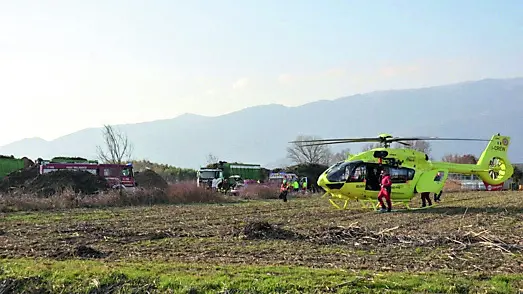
304,185
385,191
296,186
425,198
283,191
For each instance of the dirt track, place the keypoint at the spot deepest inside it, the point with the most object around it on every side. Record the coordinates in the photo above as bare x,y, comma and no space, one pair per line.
481,232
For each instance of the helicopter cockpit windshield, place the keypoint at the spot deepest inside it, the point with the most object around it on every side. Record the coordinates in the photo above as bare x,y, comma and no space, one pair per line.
345,170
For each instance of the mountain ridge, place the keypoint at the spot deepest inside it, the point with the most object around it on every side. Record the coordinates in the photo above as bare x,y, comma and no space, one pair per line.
260,133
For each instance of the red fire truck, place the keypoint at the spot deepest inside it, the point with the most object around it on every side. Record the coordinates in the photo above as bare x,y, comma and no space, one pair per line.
117,175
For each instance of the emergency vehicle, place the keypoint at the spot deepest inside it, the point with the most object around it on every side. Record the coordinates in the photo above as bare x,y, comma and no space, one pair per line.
277,178
117,175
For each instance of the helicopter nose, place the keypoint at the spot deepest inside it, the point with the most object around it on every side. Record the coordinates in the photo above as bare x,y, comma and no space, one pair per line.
322,181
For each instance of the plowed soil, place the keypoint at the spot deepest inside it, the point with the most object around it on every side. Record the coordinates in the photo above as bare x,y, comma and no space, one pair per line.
29,180
467,232
57,181
19,179
150,179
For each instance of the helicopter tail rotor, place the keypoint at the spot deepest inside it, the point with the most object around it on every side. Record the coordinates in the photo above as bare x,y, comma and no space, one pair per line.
497,168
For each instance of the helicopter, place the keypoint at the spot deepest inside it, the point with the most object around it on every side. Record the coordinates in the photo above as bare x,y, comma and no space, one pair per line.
357,178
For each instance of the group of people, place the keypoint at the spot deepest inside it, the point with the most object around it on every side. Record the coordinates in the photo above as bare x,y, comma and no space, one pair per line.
225,185
293,186
386,190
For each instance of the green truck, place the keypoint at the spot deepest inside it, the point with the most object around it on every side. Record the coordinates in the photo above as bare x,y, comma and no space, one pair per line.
62,159
225,170
9,164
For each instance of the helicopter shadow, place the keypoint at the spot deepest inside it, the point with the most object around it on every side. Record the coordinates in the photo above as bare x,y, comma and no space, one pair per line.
460,210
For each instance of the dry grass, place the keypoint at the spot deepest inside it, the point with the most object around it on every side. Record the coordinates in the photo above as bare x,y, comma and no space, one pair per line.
468,232
255,191
180,193
452,186
470,243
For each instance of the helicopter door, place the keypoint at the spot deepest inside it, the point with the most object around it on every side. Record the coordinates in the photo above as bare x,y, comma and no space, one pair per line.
432,181
354,179
372,180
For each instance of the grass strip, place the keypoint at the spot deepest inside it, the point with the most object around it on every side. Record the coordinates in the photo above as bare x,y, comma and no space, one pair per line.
86,276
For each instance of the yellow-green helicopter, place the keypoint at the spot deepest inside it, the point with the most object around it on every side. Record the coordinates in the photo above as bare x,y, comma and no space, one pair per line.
358,177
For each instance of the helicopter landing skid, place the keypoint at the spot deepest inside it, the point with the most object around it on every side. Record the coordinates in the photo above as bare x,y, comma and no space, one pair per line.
342,203
420,208
344,206
407,206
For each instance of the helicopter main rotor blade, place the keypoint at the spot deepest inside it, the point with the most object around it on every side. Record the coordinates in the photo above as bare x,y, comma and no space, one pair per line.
381,140
435,139
347,140
333,143
403,143
328,143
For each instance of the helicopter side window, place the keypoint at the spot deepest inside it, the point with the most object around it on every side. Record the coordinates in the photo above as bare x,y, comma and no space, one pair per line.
401,175
439,176
346,173
336,173
358,174
334,167
411,173
340,173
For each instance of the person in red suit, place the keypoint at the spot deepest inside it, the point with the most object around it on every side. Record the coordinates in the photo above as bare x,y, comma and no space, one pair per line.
385,191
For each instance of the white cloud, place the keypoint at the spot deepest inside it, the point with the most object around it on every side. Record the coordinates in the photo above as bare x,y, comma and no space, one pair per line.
285,78
334,73
240,83
312,77
388,71
394,71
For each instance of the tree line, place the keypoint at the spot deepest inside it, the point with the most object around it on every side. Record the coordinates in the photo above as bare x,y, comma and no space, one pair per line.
170,173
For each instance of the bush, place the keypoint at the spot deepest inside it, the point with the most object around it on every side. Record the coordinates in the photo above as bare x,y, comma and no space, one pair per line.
180,193
255,191
188,192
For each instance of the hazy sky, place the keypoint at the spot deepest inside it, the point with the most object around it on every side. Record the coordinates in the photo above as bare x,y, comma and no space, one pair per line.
67,65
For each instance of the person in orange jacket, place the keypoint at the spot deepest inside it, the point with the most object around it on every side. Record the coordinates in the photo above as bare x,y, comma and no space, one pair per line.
284,189
385,191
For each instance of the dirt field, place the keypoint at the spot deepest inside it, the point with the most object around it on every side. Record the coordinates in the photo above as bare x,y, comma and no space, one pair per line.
468,233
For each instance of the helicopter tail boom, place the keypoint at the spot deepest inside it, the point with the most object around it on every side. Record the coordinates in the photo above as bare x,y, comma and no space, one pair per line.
493,166
494,162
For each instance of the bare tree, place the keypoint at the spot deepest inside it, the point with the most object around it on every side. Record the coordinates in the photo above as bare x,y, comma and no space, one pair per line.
419,145
370,146
340,156
211,158
300,154
463,159
117,145
517,175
